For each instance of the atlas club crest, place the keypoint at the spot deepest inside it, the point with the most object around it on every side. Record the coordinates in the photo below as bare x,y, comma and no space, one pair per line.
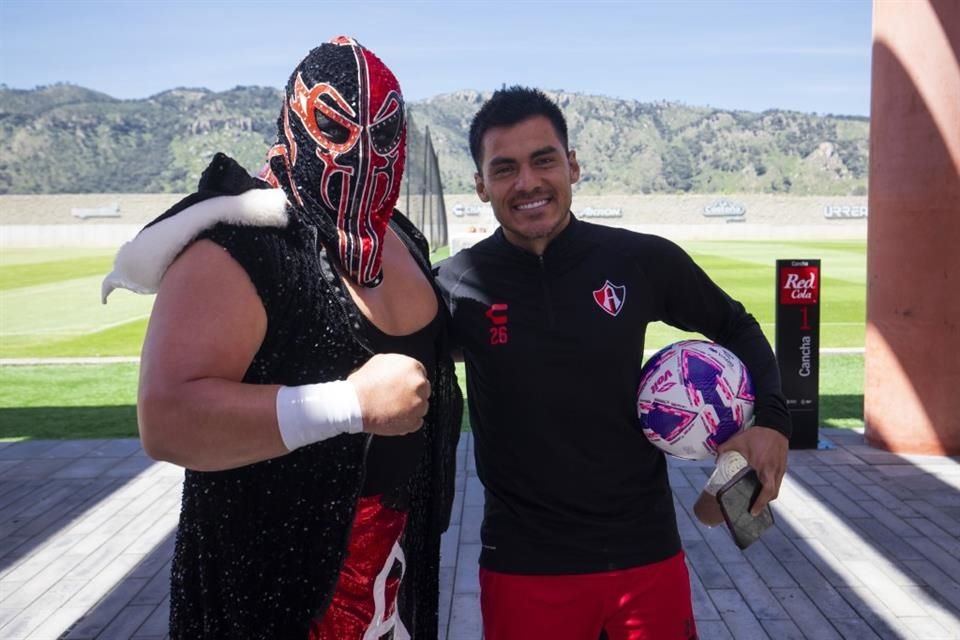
610,297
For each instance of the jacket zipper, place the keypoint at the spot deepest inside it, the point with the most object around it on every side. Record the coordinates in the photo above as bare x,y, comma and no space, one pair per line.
546,292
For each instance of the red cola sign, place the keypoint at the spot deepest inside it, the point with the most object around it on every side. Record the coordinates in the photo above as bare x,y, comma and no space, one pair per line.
798,346
799,285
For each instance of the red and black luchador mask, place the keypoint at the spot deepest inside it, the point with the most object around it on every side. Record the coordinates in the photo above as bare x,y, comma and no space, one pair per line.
340,149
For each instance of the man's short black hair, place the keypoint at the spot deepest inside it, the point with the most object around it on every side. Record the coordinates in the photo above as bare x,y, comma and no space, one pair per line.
506,107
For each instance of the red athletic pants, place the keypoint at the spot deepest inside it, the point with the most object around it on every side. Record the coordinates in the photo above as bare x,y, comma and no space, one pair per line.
651,602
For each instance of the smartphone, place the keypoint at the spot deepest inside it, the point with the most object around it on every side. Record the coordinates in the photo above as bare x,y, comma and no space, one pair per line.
735,498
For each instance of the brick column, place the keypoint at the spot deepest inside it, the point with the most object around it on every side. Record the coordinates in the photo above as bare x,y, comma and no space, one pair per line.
912,377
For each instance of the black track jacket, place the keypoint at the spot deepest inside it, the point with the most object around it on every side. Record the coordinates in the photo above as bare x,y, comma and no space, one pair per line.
553,347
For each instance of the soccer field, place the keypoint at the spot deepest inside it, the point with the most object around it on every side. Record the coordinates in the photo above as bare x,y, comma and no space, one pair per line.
50,299
746,270
50,308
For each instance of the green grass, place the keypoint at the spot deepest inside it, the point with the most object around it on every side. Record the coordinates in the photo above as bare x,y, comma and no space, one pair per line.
50,308
68,401
41,316
122,340
439,254
31,274
746,268
841,390
98,400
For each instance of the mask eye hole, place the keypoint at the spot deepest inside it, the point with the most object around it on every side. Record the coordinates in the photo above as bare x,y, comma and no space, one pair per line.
334,131
388,129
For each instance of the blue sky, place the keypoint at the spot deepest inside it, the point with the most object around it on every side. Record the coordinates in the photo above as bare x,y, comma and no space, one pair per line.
806,55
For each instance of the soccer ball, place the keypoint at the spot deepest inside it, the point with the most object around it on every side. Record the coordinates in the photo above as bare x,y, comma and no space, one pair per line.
693,396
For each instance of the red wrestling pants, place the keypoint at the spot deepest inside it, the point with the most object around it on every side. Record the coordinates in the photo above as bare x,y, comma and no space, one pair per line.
364,605
651,602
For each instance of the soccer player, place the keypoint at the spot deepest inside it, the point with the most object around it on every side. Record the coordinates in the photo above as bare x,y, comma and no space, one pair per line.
295,365
579,533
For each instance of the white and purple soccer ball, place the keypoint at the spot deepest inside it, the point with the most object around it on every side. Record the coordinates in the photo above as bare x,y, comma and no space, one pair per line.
693,396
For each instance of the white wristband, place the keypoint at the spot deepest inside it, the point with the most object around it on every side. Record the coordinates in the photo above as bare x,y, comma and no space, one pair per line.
313,412
728,465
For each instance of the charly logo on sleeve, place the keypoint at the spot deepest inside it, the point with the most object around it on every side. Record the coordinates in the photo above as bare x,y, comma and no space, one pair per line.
610,297
497,315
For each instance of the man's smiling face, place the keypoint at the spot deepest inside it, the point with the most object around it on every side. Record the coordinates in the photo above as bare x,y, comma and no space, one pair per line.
527,177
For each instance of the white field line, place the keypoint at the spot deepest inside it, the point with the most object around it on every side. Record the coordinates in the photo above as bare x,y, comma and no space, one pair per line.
34,290
76,332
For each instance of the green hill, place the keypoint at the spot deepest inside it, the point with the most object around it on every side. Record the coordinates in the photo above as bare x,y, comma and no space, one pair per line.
68,139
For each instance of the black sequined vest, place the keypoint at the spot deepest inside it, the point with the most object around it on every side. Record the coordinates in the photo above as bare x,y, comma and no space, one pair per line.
259,548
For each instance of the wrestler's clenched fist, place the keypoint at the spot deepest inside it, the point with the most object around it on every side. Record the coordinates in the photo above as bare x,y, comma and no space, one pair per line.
393,391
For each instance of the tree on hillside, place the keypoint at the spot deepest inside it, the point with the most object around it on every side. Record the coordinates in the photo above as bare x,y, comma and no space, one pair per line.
678,168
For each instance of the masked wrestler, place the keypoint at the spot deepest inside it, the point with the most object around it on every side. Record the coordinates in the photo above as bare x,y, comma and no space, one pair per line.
295,364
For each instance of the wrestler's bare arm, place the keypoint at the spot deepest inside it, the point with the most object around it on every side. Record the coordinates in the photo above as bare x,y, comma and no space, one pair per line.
206,326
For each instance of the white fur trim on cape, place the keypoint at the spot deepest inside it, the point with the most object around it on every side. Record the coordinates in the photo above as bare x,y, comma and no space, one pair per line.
141,262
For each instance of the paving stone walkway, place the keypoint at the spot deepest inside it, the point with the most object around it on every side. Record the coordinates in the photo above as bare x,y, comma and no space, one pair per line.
866,546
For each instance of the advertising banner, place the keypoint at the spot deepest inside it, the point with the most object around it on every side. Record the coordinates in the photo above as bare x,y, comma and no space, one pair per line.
798,346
